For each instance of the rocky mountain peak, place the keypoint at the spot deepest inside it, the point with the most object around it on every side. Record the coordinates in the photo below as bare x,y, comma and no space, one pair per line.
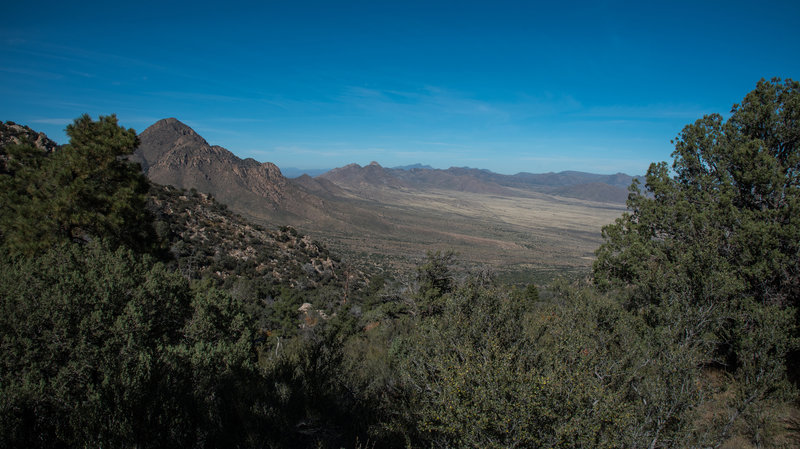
170,124
164,136
171,153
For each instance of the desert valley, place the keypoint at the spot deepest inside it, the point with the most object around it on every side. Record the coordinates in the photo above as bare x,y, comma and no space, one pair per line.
540,225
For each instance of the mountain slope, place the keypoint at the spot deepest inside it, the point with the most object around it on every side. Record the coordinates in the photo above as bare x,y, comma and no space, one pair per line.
171,153
206,239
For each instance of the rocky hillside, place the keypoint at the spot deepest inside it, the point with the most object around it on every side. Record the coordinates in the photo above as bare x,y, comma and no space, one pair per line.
171,153
12,133
208,240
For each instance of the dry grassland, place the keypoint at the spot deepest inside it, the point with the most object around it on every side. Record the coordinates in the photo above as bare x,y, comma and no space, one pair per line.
534,233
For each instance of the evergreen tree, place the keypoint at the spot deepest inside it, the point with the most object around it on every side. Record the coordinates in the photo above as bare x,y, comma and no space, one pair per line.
83,191
724,219
712,247
104,348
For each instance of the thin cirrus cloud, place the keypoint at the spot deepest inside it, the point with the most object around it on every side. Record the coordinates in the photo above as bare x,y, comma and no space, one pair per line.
650,111
199,97
53,121
428,99
42,74
326,152
48,51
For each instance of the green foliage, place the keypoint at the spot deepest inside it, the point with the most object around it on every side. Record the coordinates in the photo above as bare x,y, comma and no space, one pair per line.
83,332
709,252
467,377
218,361
435,279
105,348
528,294
494,371
727,221
82,191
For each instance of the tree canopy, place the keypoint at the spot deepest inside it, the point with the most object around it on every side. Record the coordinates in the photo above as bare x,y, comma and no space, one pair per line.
711,246
725,219
84,190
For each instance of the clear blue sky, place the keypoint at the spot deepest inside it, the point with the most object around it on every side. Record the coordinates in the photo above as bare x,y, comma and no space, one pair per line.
509,86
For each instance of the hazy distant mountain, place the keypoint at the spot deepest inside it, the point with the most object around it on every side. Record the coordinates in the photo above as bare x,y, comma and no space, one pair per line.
587,186
319,186
571,178
357,178
354,176
413,166
293,172
573,184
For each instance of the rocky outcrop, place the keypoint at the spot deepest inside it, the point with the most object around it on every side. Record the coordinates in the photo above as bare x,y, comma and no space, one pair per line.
11,133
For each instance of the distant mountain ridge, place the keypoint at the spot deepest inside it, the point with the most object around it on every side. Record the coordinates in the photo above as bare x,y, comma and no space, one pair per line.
172,153
413,166
573,184
294,172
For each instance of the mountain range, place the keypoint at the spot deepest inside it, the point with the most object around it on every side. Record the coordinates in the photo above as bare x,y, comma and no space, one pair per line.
172,153
373,212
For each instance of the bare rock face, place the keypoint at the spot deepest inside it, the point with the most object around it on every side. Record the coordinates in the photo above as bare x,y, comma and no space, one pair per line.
162,137
171,153
11,133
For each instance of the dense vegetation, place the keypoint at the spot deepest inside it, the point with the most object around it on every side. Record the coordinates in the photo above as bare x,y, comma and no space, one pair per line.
136,319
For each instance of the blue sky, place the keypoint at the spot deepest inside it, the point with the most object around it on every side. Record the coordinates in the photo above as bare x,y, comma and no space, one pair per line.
510,86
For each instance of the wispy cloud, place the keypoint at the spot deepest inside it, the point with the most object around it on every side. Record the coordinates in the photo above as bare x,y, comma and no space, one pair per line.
47,50
82,74
352,153
34,73
591,164
84,62
426,101
53,121
639,112
197,96
440,144
238,120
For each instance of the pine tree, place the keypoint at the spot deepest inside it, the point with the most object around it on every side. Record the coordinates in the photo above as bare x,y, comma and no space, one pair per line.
83,191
